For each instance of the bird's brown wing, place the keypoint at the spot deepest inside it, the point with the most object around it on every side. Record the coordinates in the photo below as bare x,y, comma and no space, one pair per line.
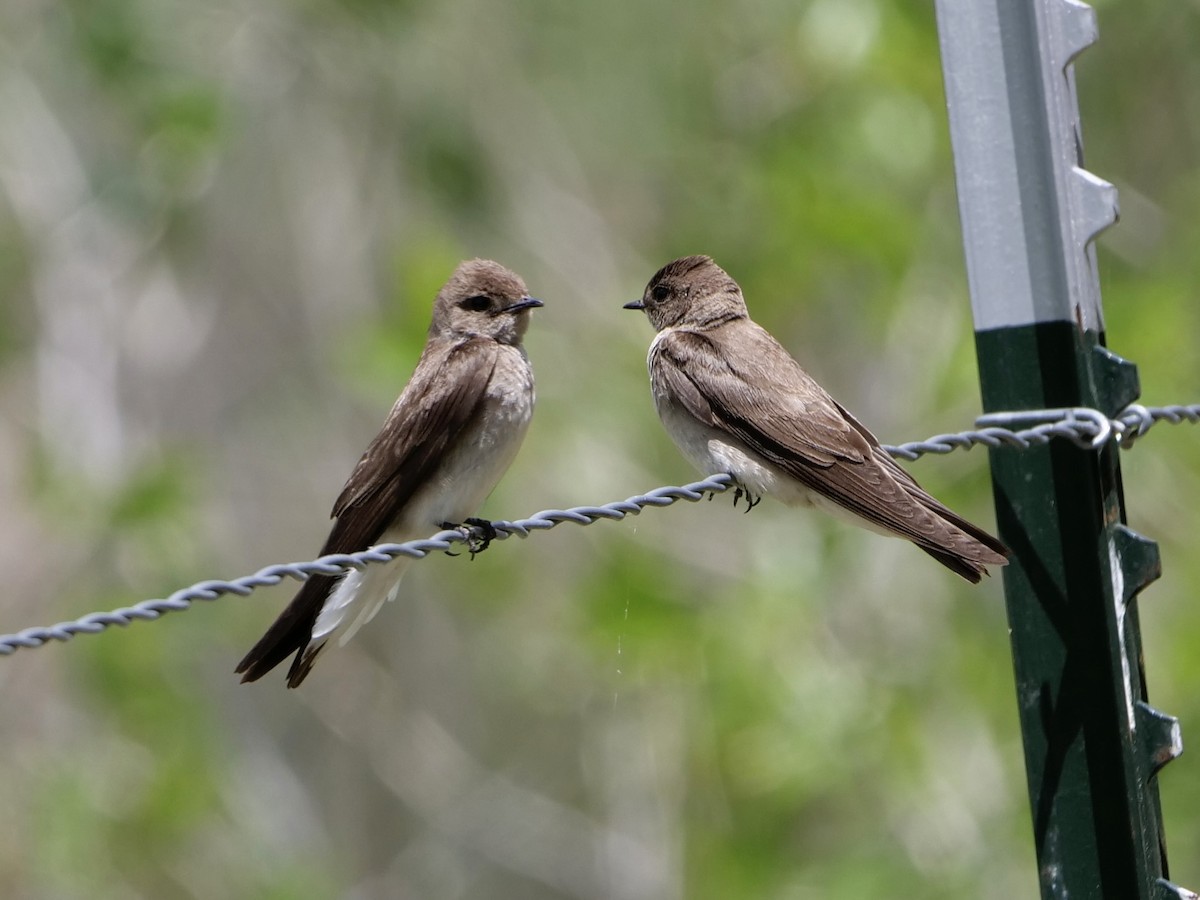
444,395
928,500
760,395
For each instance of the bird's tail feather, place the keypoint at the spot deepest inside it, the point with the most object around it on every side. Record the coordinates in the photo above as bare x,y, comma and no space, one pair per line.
303,663
325,607
978,549
357,598
961,565
990,550
290,632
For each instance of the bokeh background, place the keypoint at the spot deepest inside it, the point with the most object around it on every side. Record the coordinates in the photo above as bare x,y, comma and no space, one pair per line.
221,228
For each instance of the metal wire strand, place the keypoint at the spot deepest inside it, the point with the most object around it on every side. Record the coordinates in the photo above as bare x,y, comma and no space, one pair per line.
338,563
1088,428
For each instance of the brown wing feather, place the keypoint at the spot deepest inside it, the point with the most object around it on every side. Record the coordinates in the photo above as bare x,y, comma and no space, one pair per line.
928,500
763,398
443,396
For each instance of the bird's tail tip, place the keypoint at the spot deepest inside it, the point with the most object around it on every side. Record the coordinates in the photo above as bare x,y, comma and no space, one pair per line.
303,664
970,565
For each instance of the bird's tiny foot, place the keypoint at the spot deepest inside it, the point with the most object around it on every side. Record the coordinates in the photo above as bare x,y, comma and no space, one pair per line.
478,534
740,492
482,533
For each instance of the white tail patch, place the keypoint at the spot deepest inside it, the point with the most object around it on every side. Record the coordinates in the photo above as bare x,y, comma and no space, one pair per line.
356,600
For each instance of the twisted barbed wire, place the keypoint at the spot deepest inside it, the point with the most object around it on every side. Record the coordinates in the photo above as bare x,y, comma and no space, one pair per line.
339,563
1088,428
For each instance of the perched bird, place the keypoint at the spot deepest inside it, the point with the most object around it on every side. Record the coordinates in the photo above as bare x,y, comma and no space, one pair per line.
733,400
452,433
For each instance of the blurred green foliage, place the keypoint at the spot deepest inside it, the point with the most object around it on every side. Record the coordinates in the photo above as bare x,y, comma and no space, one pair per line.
221,227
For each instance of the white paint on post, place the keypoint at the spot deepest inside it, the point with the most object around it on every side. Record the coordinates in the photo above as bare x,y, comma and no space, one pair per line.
1029,210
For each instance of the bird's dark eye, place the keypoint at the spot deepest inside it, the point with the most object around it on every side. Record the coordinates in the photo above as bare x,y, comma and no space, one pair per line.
659,292
478,303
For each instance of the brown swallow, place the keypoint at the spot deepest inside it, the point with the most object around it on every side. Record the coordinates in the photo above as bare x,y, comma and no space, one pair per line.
735,401
449,438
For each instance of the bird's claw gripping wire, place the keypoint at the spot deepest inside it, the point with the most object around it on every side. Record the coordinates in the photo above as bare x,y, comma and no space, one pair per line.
751,499
477,533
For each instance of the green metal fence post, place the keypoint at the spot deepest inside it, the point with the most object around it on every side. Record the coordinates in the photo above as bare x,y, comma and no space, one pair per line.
1093,745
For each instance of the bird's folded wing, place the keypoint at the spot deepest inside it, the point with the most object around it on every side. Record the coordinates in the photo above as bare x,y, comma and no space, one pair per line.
762,397
440,401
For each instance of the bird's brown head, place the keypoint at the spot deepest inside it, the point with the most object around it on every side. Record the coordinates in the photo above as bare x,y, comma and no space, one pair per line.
483,299
691,291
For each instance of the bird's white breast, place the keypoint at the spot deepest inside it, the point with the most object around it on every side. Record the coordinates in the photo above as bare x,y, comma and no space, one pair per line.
484,451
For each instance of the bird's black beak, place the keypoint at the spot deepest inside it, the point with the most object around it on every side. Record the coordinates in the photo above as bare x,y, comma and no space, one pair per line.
634,304
526,303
